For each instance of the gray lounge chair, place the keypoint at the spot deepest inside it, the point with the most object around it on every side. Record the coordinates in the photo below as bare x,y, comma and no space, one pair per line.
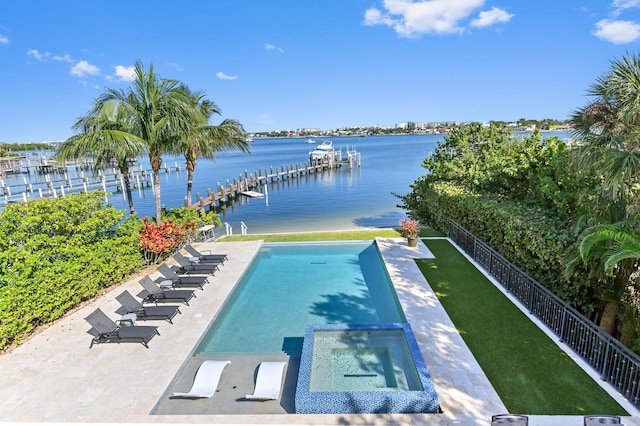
188,267
178,281
155,294
107,330
132,306
205,257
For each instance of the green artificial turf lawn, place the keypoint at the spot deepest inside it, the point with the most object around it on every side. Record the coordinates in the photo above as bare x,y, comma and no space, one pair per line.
530,373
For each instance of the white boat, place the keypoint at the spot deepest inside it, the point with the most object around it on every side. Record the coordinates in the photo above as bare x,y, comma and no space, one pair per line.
322,151
309,141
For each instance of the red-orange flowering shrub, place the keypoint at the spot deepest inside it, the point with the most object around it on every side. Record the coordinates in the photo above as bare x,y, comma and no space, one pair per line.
159,241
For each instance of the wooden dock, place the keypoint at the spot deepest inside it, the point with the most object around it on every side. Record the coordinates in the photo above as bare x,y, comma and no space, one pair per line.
248,183
110,180
61,184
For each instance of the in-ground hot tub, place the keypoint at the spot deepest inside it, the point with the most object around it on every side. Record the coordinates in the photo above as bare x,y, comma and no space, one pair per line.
372,368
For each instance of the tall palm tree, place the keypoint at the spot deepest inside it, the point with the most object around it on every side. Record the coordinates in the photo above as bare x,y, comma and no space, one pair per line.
158,112
609,128
103,136
206,140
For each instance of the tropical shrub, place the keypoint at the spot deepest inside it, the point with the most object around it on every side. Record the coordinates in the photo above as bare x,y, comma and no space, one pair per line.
178,225
57,253
159,241
186,215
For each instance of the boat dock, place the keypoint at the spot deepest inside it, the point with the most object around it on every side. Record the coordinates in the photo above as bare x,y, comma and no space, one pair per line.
248,183
59,182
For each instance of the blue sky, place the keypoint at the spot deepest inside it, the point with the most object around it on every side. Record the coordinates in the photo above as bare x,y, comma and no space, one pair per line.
287,64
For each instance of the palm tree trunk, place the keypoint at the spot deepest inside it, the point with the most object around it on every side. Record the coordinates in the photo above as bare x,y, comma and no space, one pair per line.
191,165
609,317
127,189
610,314
156,162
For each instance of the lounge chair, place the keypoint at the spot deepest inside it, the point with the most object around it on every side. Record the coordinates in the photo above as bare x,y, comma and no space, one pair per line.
156,294
269,381
109,331
204,257
188,267
206,381
178,281
132,306
602,420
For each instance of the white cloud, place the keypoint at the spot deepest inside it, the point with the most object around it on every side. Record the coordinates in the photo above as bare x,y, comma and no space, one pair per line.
39,56
617,32
626,4
4,39
268,47
223,76
411,18
83,68
490,17
620,6
65,58
123,73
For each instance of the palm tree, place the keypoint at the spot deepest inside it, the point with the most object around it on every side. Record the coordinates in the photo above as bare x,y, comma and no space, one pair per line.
206,140
609,128
610,248
158,112
104,137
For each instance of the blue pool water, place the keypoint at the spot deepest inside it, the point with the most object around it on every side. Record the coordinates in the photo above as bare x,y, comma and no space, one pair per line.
290,286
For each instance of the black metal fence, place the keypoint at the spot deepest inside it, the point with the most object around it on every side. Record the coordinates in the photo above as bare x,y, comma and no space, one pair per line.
611,359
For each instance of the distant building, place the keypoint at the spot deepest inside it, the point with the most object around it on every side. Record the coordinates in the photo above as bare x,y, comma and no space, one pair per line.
308,131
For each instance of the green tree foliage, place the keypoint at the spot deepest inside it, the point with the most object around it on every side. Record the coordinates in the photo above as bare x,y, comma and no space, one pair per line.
517,194
204,140
8,149
185,215
104,136
157,111
57,253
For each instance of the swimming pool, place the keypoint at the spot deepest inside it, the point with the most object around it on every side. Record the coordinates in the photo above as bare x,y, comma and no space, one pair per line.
291,285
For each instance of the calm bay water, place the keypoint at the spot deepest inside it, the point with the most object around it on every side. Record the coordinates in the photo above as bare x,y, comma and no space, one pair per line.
341,199
333,200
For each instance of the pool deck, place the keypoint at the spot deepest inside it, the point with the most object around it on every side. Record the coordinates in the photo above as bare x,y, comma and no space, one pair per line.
55,377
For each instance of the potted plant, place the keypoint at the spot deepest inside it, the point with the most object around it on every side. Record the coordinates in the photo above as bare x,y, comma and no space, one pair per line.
411,230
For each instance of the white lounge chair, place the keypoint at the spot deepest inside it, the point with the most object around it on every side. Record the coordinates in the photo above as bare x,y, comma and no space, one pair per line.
206,380
269,381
